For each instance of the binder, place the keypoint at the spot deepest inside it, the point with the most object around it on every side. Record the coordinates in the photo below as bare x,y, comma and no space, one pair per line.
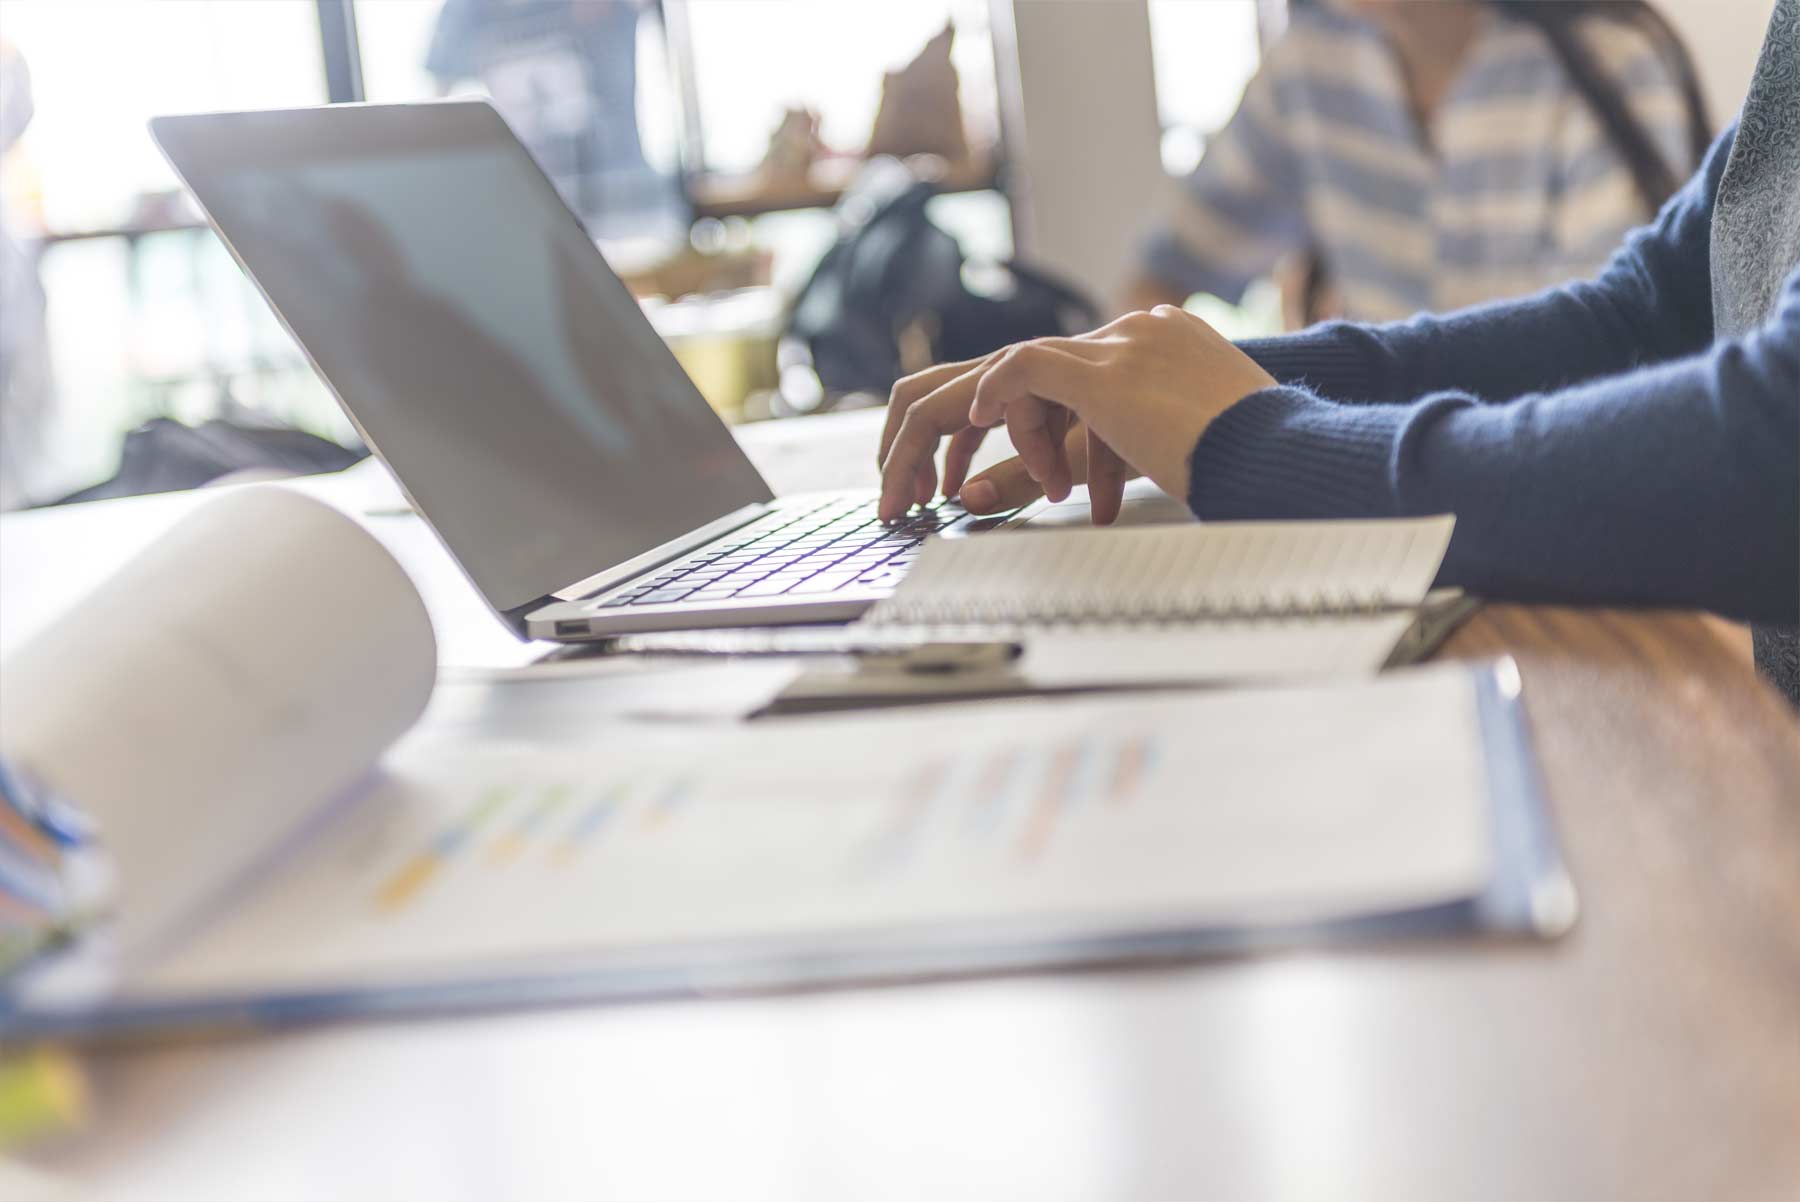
1527,894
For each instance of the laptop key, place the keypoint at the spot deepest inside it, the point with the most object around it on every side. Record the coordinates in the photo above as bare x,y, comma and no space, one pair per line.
774,586
824,582
662,596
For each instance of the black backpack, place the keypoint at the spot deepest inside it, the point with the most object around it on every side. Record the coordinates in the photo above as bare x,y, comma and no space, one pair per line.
162,455
896,294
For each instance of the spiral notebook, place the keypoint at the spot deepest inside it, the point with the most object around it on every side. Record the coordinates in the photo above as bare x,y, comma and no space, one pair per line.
1173,574
1213,603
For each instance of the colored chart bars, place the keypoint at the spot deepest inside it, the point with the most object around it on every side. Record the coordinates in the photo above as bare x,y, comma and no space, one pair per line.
1013,795
1008,799
450,843
506,826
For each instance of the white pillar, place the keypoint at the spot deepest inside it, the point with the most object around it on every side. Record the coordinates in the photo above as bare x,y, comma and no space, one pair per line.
1078,114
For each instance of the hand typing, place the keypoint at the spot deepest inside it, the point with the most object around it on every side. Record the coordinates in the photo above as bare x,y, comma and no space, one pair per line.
1135,395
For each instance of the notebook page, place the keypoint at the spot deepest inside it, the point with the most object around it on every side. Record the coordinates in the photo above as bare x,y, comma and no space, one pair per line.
1141,812
1171,572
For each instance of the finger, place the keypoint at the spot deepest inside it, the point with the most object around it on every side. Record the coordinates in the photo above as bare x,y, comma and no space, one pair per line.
1075,445
914,388
915,447
1037,431
1026,387
1056,432
957,457
1032,425
1006,485
1061,370
925,481
1106,475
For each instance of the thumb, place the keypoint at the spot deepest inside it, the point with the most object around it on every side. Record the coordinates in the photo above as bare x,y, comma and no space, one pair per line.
1006,485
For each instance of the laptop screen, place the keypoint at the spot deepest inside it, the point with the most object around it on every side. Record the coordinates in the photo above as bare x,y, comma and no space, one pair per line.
472,331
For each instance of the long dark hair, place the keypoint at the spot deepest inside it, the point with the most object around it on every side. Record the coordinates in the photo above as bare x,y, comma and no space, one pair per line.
1655,177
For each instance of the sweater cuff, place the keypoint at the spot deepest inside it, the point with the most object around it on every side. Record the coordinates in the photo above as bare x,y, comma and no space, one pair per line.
1318,359
1284,453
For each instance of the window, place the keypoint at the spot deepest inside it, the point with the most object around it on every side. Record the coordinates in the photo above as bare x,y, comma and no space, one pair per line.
1203,53
713,79
586,87
146,314
754,58
751,60
710,81
647,113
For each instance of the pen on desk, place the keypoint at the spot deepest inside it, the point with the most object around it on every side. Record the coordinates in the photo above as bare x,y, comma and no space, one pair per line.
904,653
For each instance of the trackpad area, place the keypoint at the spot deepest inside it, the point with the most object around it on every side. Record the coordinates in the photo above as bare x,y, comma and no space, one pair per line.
1145,505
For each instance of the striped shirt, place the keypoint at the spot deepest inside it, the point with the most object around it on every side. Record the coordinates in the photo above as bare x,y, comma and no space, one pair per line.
1517,188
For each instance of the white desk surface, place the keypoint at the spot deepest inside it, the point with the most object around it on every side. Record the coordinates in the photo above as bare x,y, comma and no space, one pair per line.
53,556
1436,1071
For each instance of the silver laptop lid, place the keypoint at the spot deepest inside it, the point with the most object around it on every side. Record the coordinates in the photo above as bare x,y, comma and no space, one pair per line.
472,331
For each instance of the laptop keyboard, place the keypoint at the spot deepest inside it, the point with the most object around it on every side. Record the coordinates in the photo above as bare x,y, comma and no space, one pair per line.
838,544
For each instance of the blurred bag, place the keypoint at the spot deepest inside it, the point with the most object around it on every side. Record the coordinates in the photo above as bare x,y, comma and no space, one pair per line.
162,455
896,294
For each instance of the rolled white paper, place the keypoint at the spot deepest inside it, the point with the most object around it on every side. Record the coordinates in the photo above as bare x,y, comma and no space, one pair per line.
243,670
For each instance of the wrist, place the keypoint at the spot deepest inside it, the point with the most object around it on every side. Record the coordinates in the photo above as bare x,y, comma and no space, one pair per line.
1174,473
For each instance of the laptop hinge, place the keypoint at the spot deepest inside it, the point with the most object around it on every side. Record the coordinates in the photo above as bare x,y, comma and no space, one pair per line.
515,618
673,549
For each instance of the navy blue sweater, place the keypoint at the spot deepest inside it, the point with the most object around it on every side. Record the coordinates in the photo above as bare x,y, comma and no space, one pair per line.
1593,441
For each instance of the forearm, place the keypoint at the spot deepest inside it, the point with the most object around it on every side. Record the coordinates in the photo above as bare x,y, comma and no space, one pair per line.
1494,352
1673,485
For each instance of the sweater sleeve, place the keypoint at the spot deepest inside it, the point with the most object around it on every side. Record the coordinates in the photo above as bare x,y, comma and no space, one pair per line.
1651,303
1677,484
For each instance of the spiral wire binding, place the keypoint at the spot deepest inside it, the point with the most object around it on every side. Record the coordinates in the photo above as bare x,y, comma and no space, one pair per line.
1073,608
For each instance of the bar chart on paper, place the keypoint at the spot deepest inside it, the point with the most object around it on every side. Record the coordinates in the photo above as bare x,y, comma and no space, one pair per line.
1005,801
952,818
1010,799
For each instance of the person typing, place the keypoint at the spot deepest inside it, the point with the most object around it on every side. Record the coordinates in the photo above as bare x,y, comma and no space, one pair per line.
1633,438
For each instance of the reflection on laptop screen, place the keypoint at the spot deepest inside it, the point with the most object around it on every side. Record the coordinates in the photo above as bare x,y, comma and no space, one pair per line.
476,335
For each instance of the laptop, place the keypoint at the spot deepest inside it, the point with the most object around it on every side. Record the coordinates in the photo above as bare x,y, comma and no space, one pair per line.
484,350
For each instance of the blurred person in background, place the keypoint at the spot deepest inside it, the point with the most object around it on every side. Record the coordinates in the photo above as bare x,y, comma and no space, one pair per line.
25,391
1396,156
564,75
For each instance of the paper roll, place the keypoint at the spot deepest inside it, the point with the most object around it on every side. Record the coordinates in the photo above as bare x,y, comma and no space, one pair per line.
240,673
